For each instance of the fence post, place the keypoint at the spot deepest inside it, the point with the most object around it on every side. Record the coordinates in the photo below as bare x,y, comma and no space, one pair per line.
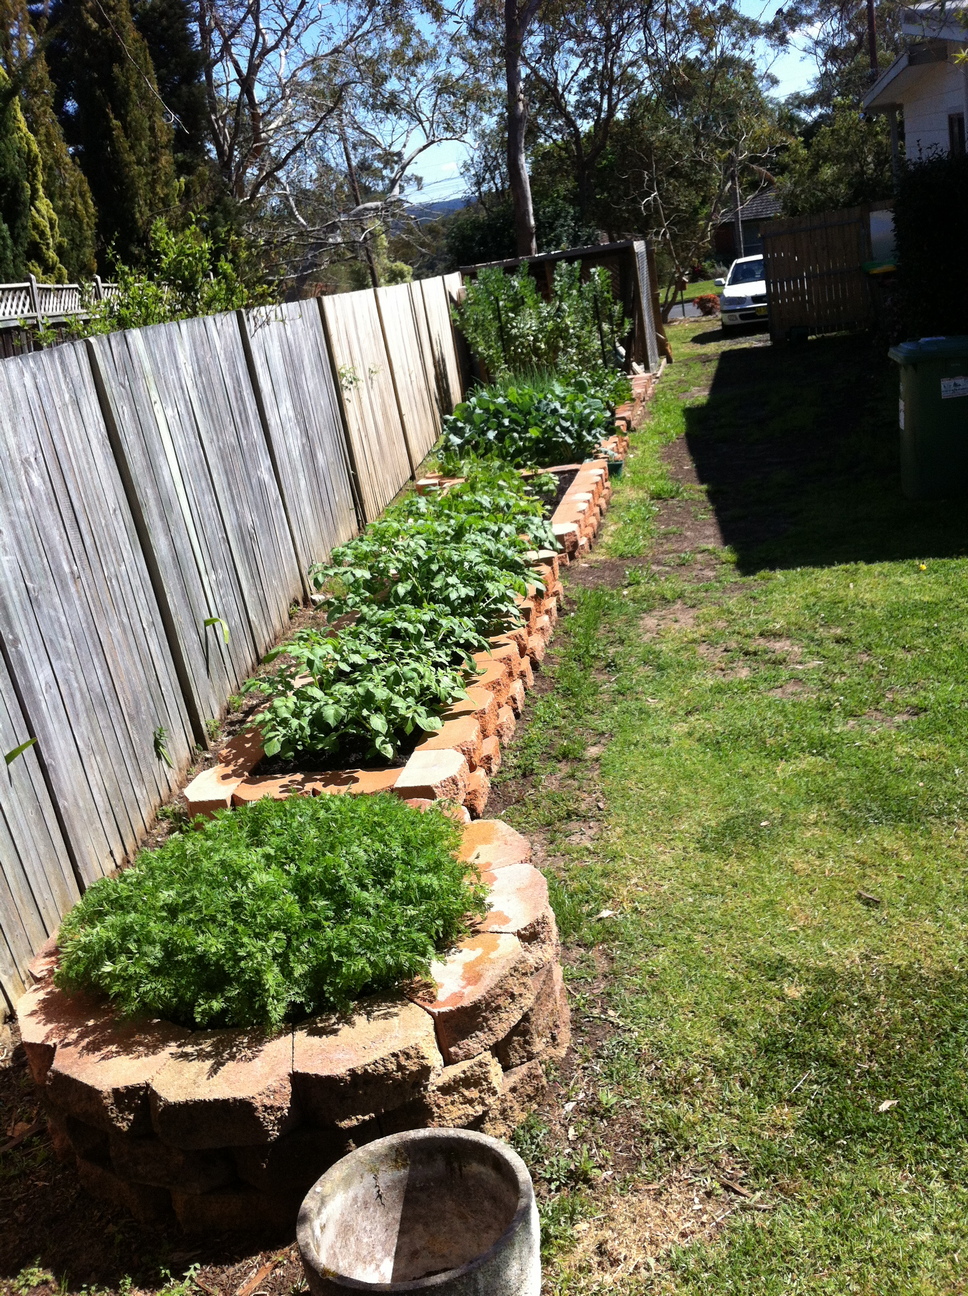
34,297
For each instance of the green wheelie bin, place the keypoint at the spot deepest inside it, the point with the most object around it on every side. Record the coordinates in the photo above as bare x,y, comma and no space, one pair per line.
933,415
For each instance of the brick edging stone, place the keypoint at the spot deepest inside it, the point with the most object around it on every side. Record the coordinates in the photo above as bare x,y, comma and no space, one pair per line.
228,1129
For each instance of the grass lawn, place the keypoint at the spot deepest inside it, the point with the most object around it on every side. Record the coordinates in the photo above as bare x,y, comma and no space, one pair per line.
695,289
751,786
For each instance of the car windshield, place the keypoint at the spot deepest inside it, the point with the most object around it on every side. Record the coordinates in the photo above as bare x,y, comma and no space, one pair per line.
746,272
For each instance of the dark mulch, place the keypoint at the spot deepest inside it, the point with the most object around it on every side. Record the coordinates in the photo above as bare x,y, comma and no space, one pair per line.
564,481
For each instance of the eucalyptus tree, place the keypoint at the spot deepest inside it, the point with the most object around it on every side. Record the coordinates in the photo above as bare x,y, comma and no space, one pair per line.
319,114
682,153
849,43
495,36
587,62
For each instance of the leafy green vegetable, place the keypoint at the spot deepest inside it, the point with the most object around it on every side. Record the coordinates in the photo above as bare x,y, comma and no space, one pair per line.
526,426
364,692
423,586
463,553
274,911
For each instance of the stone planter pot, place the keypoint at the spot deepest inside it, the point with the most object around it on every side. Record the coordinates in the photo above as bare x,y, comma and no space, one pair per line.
445,1211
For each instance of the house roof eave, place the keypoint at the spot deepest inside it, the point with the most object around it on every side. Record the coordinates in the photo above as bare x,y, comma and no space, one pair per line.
883,94
889,90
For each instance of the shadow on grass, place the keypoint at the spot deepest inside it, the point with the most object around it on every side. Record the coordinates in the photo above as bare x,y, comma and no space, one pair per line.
798,447
872,1059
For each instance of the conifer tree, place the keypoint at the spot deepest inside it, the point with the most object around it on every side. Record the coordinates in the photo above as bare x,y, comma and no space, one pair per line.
114,119
168,31
22,57
29,234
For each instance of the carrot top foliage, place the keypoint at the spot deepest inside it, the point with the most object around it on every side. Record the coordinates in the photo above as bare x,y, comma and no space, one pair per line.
273,912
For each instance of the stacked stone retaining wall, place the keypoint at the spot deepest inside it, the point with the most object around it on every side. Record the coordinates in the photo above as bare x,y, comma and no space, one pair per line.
228,1129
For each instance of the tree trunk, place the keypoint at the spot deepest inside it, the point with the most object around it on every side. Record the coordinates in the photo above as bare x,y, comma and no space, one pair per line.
515,26
358,199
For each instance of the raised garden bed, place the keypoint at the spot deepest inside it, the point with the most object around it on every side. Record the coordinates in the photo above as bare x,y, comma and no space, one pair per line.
227,1129
456,762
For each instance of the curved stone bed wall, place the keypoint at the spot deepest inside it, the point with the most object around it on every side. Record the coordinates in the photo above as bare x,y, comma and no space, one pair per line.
229,1129
456,763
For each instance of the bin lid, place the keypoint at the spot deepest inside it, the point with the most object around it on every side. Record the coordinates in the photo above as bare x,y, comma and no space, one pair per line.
930,348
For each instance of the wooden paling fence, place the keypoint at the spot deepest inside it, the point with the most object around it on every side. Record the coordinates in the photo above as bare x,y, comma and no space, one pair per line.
162,493
815,282
377,442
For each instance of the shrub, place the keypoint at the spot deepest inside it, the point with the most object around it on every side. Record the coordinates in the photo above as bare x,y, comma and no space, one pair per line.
585,322
273,912
502,318
527,427
189,274
707,303
932,246
510,327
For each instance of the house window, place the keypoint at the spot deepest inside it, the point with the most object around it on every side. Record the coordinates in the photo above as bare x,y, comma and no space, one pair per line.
956,134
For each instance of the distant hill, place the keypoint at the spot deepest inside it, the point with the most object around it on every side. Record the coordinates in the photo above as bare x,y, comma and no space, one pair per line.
435,210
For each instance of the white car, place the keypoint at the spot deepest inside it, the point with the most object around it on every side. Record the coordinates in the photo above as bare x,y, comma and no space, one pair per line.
743,299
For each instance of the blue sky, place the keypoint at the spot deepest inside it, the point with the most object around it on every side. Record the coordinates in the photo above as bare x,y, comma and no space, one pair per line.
440,166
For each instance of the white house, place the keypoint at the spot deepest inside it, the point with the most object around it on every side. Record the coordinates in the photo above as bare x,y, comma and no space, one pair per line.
928,84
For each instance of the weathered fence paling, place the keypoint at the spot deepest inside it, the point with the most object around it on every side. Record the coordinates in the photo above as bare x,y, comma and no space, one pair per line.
815,281
79,625
37,883
162,493
293,383
378,445
413,375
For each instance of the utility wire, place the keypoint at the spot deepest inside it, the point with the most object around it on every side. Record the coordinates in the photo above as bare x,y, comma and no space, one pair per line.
171,117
